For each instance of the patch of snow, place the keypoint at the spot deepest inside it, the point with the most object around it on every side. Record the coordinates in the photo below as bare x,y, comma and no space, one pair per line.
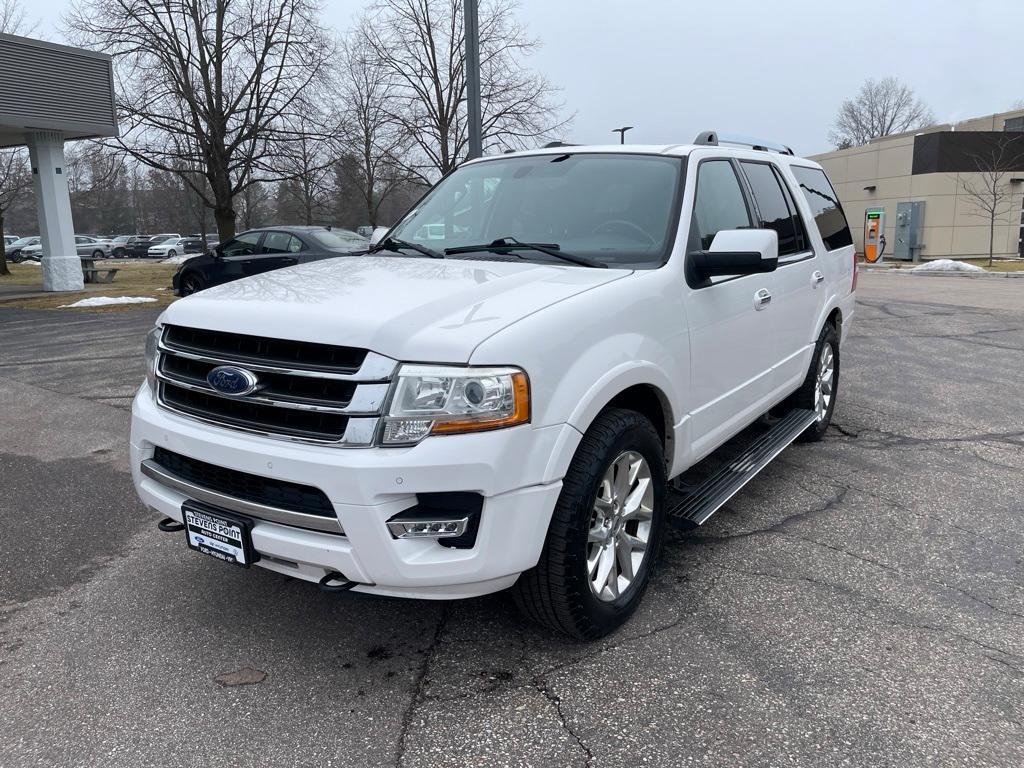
946,265
104,301
181,258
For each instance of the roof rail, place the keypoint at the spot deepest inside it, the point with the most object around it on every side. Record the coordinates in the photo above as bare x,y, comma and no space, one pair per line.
714,139
553,144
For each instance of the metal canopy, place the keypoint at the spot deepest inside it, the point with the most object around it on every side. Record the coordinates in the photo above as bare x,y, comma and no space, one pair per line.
50,87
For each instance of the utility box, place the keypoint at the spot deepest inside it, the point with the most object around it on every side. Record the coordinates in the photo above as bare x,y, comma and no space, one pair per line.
909,218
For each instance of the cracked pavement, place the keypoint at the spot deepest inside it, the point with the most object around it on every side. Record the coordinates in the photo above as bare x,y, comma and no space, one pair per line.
860,603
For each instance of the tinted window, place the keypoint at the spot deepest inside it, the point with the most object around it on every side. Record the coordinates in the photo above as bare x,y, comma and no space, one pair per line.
719,204
243,245
776,211
281,242
824,202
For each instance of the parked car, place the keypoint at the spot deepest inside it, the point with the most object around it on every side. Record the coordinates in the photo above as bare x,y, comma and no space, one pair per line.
119,246
365,231
175,246
14,250
8,239
85,244
504,407
261,250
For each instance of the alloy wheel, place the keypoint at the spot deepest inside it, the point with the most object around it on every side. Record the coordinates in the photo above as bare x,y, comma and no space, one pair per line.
620,526
823,386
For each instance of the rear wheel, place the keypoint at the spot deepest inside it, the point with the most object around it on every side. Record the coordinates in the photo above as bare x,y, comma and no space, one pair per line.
97,254
605,531
191,283
819,390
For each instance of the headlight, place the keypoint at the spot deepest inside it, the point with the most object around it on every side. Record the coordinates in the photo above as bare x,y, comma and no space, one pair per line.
152,355
434,399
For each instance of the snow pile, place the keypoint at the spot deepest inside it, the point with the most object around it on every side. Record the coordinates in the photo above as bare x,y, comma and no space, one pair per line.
946,265
105,301
181,258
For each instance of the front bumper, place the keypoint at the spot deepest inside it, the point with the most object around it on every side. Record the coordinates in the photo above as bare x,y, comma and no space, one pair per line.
366,486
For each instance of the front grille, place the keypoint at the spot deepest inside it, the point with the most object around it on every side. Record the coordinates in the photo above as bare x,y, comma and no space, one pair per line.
241,485
306,391
241,348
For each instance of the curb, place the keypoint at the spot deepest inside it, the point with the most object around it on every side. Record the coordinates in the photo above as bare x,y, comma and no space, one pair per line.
969,275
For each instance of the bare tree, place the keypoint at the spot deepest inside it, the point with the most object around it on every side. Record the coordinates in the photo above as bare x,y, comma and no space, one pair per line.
305,166
14,176
14,180
14,20
419,48
988,189
375,146
204,86
881,108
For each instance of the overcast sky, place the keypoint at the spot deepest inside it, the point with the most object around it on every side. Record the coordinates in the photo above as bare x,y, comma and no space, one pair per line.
775,69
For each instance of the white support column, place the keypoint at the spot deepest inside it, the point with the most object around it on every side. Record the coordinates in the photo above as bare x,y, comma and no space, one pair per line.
62,269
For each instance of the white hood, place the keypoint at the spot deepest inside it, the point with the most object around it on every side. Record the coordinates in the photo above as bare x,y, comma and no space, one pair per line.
410,309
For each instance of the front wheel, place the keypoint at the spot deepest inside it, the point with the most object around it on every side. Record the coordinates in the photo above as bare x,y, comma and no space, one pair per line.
97,254
605,531
191,283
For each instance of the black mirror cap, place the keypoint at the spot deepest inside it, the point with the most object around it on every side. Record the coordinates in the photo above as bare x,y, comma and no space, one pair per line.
726,263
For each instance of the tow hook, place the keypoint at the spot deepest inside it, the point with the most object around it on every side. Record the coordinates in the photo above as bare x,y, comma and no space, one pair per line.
170,525
344,584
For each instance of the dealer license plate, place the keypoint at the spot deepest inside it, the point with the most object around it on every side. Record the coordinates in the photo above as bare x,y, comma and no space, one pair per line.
213,533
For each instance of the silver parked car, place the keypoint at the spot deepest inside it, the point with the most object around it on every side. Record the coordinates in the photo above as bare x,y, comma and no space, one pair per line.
87,246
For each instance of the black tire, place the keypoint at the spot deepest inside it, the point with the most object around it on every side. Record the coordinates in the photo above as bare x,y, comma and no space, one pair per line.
171,254
97,254
556,592
805,396
191,283
15,258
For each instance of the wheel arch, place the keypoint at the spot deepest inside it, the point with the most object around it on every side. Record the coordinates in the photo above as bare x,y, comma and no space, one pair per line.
643,388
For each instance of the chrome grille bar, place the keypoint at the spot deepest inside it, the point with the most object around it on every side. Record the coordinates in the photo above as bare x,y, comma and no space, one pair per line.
155,472
343,410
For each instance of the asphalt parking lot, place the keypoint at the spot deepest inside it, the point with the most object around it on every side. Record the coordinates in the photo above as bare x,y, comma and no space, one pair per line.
860,603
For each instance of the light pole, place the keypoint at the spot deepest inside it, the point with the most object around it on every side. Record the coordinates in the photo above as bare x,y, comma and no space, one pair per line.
622,132
476,144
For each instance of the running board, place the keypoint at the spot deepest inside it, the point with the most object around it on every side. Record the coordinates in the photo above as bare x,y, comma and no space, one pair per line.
694,505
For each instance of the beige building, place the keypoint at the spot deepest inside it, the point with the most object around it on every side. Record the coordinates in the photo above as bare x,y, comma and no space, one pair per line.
929,168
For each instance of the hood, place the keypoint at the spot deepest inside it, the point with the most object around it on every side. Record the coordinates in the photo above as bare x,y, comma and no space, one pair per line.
411,309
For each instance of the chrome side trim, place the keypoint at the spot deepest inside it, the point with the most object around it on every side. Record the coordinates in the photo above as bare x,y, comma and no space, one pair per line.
375,368
154,471
366,400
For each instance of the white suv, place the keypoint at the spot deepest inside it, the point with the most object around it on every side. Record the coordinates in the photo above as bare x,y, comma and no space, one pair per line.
504,405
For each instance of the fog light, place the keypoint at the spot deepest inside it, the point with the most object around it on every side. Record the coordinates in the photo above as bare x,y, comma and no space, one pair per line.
427,529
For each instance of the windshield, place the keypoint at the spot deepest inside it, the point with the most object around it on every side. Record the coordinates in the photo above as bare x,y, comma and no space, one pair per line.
615,208
339,238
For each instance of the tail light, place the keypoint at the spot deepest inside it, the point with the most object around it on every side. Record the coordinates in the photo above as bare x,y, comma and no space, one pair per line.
853,285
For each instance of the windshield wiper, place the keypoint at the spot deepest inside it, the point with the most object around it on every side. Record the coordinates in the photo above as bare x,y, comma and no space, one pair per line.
395,245
510,243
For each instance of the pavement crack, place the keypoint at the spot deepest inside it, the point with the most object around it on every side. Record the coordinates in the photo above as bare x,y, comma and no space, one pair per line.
419,686
542,687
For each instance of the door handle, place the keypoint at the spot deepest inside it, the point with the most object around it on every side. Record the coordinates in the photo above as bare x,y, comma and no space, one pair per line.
762,299
817,278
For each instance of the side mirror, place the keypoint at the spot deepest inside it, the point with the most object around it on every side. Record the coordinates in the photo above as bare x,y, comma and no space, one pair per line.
378,234
738,252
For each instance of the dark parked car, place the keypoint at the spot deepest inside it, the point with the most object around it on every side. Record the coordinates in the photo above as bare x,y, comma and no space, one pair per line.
262,250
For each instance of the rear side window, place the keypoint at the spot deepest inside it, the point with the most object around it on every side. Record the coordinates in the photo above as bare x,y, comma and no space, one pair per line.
776,207
824,202
719,204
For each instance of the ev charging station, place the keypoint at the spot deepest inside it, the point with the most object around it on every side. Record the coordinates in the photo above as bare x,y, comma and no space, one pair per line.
874,235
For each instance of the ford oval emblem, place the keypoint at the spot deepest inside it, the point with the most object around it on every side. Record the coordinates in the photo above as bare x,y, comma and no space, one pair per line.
230,380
